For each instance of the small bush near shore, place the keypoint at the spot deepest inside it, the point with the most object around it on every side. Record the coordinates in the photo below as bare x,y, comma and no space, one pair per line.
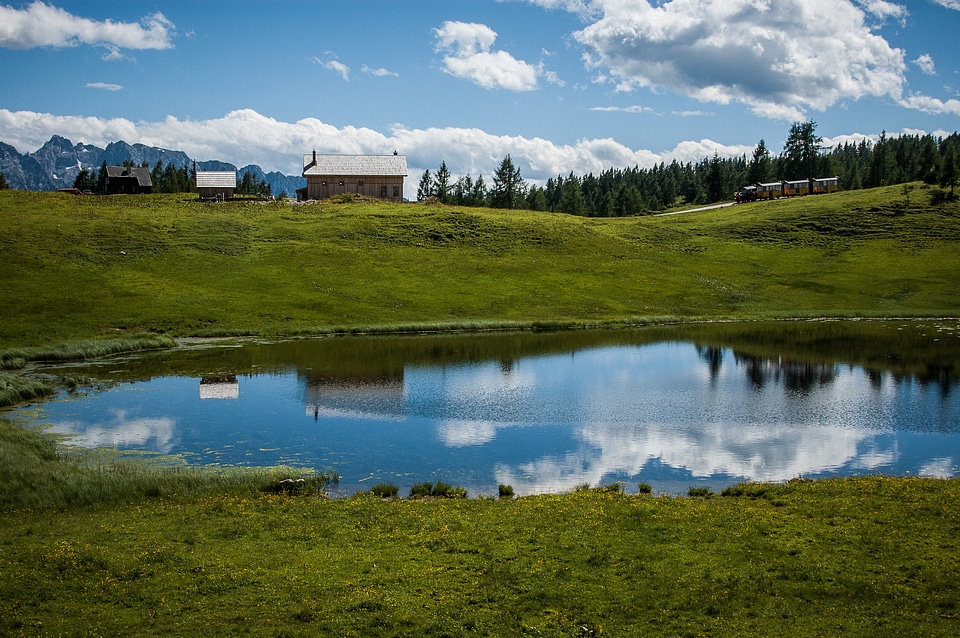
437,490
645,488
613,488
703,492
505,491
384,490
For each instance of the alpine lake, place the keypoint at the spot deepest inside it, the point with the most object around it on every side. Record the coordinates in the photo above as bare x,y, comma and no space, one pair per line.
694,405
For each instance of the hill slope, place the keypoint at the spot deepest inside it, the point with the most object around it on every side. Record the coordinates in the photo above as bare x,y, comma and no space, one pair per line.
75,267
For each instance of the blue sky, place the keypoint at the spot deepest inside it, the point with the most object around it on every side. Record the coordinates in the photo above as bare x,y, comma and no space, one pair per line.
560,85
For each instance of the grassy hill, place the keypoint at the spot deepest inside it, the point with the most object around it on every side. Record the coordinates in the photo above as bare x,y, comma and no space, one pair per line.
83,267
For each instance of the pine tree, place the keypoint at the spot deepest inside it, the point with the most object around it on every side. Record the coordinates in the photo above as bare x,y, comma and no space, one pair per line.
102,179
508,186
85,181
715,179
759,169
802,150
571,197
441,183
478,196
425,189
950,163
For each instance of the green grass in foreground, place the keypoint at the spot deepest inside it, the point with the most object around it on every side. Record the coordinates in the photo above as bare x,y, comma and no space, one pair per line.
79,268
851,557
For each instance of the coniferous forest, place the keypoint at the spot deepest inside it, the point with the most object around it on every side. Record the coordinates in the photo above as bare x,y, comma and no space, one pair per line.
620,192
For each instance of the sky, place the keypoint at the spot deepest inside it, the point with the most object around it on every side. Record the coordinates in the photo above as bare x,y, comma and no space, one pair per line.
560,85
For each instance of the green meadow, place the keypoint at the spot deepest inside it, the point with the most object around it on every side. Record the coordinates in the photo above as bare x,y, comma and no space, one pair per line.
95,544
77,268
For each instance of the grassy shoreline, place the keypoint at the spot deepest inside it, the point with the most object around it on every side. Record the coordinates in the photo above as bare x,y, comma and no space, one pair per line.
123,550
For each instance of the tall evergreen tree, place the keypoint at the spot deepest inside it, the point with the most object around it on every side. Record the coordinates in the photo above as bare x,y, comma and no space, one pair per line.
759,169
3,182
85,181
425,188
802,150
950,163
102,179
478,196
441,183
508,185
715,180
571,197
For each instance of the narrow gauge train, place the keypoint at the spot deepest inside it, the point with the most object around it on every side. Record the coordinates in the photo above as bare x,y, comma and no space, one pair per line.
794,188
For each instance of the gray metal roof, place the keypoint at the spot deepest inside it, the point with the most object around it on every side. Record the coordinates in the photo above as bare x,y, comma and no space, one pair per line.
365,165
141,173
216,179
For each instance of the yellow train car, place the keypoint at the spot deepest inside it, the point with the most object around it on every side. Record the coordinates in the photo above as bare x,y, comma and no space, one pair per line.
769,190
797,187
823,185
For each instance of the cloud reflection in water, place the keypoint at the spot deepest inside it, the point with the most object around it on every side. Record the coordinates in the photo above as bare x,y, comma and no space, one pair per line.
123,431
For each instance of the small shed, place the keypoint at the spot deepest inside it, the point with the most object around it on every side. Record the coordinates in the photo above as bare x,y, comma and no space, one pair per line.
216,185
127,180
379,176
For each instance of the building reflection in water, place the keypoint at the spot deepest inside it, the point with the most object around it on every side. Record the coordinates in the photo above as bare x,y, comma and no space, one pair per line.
221,386
375,395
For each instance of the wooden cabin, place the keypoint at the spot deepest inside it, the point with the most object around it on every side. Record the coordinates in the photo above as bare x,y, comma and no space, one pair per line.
377,176
216,185
127,180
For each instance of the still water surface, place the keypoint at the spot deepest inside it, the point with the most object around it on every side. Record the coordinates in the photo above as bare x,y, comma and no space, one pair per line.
673,407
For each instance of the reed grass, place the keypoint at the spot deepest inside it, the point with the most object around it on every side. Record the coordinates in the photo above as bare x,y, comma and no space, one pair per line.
39,473
15,358
17,389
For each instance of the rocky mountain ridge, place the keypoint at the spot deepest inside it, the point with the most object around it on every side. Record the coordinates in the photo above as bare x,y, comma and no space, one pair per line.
57,163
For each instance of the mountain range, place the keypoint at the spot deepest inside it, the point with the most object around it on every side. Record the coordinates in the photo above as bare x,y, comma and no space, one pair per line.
57,163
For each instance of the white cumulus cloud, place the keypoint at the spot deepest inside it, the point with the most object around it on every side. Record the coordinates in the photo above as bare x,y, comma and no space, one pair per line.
925,62
780,57
469,57
43,25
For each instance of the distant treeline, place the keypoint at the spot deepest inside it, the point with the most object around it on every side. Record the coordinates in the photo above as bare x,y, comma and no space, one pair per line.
636,191
167,178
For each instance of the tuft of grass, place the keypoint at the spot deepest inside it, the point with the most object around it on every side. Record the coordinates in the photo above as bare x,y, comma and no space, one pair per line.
385,490
644,488
504,491
302,486
436,490
700,492
613,488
